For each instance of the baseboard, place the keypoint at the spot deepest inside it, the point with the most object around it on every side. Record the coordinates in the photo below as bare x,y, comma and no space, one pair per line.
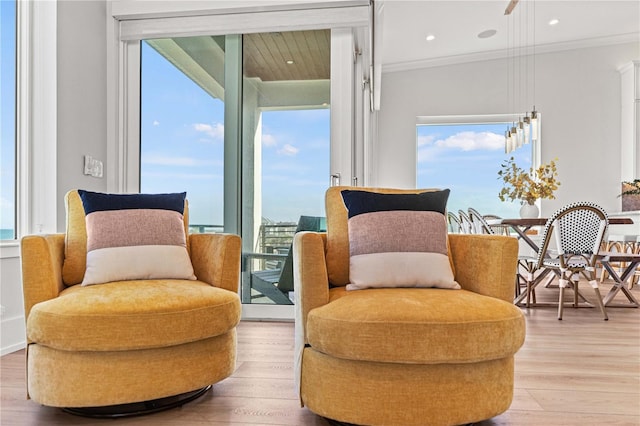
12,331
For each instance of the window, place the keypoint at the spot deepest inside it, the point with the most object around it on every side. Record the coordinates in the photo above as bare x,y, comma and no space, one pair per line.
466,158
8,120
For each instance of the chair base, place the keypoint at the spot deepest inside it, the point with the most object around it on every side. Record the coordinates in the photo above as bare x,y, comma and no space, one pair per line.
138,408
337,423
351,392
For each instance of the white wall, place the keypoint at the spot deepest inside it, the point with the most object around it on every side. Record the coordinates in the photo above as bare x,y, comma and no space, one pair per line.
12,325
577,91
82,95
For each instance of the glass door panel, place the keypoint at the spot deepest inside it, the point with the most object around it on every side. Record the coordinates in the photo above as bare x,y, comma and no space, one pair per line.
182,124
285,154
277,157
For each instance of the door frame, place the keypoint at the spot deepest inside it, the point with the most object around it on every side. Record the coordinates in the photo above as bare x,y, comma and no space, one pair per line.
127,27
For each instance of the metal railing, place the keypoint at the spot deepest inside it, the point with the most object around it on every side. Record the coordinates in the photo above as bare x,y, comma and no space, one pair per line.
205,229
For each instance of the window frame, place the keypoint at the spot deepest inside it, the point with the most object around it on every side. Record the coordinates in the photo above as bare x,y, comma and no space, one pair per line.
14,96
36,126
481,119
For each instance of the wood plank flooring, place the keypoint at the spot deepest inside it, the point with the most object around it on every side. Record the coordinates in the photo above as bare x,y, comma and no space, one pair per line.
580,371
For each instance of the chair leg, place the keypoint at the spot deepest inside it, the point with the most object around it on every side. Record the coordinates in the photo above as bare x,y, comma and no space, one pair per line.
560,302
563,282
594,284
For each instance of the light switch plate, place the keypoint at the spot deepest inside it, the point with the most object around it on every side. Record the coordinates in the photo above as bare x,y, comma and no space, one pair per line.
92,167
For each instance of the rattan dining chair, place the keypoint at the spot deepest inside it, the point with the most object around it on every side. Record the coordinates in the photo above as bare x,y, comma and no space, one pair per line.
480,226
466,227
525,271
454,223
497,229
579,229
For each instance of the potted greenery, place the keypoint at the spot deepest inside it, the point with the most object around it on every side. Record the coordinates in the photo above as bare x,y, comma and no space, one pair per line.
528,186
630,195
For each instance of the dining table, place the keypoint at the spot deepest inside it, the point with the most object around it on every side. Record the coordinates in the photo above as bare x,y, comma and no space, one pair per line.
631,262
522,227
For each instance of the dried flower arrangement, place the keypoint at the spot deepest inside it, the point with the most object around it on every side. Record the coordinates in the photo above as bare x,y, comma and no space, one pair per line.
528,186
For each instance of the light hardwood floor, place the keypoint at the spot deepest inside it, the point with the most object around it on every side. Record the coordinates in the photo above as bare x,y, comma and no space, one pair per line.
580,371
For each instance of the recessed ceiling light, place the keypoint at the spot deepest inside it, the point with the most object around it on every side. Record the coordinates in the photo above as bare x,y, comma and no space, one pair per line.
431,37
487,33
554,21
289,62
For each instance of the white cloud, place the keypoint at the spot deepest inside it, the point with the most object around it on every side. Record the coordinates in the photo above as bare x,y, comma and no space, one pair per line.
288,150
156,123
425,139
429,148
215,131
268,140
472,141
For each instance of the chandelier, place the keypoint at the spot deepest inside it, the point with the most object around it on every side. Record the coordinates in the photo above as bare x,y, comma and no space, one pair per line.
524,129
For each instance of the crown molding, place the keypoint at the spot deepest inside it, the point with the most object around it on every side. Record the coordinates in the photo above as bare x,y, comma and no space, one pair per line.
500,54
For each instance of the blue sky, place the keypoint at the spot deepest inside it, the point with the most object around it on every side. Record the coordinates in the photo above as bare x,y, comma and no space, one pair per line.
7,114
182,148
466,159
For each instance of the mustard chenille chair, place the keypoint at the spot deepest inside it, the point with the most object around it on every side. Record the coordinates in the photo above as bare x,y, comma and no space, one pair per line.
405,356
129,346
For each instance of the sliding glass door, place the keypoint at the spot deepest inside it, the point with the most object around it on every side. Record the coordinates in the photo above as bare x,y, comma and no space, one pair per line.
249,115
285,153
250,121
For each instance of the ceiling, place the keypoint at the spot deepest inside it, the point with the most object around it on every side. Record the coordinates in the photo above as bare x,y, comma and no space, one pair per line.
291,55
305,55
457,23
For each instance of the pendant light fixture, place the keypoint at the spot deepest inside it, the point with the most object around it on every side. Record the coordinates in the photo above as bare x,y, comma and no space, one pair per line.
527,128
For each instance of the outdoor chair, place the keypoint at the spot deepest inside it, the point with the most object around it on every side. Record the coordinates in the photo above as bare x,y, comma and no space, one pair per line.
276,283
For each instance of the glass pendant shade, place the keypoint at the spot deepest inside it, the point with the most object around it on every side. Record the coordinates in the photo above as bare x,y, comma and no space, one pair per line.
534,125
520,134
526,130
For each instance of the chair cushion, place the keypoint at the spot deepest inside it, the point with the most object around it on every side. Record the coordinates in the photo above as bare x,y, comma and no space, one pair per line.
337,254
398,240
128,315
75,255
135,237
409,325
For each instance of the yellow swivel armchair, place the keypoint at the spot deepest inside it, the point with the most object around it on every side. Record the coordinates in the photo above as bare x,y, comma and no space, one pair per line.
129,346
405,356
